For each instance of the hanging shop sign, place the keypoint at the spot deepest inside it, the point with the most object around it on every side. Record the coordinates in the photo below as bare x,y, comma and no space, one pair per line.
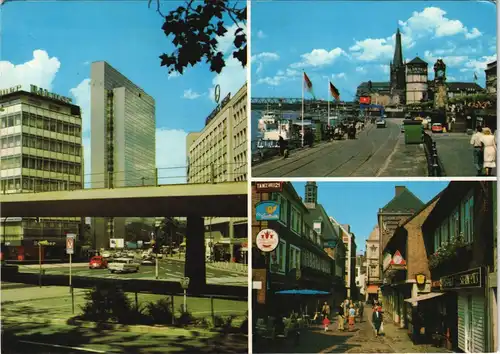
45,93
268,187
268,210
472,278
398,261
386,261
267,240
420,279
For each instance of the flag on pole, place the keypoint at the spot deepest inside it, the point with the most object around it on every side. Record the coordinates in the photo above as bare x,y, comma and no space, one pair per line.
334,92
308,85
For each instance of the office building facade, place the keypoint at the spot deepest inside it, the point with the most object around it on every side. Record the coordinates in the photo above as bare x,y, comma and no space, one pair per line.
219,152
123,140
40,151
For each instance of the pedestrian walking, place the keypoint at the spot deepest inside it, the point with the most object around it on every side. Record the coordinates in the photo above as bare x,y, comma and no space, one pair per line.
340,317
346,312
477,145
489,151
377,320
361,310
325,311
326,323
352,314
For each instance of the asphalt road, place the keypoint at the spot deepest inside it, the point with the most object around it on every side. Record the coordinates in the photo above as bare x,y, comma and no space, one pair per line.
168,269
369,155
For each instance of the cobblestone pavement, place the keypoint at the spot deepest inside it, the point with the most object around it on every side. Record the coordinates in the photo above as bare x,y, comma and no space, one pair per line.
455,153
361,340
374,152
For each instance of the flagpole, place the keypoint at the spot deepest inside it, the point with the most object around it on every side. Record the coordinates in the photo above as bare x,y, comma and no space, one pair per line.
328,98
303,84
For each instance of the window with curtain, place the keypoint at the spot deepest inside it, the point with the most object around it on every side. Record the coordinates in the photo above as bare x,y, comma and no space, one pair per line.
454,224
294,259
444,231
283,206
437,239
280,259
467,218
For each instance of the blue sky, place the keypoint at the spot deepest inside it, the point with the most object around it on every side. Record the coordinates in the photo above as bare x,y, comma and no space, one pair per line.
51,44
357,203
352,42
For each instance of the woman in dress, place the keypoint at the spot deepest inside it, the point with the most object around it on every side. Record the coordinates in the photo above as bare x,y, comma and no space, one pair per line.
489,150
352,315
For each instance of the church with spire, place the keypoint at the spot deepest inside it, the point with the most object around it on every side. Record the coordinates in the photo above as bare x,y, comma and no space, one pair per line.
409,82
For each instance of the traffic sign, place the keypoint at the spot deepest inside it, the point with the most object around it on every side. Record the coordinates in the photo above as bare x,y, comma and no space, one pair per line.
185,282
70,243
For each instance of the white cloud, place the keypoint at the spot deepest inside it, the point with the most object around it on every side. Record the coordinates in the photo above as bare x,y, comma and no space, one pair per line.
450,60
40,71
173,75
318,57
226,42
271,80
261,34
473,34
432,20
478,65
171,158
81,93
385,68
339,76
360,69
372,49
259,59
190,94
265,56
231,79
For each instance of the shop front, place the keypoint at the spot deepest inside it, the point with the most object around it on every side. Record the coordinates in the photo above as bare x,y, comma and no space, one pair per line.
469,287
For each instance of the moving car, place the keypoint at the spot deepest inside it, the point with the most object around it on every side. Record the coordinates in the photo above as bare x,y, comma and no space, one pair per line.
123,265
437,128
98,262
380,123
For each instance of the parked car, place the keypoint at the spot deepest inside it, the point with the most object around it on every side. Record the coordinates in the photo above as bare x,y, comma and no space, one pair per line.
380,123
123,265
437,128
106,254
98,262
148,261
131,254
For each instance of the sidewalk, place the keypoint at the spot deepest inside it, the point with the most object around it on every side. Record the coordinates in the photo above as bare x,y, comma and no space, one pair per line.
406,160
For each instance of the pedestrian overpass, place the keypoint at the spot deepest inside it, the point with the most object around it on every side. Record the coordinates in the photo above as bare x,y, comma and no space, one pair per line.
194,201
227,199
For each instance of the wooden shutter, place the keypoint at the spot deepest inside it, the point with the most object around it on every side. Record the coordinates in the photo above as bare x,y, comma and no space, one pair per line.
462,303
478,330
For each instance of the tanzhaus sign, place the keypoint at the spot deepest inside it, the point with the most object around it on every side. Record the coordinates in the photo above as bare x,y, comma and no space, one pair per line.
473,278
45,93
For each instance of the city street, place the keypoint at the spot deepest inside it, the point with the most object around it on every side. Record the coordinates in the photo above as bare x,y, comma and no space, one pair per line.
361,340
375,152
170,269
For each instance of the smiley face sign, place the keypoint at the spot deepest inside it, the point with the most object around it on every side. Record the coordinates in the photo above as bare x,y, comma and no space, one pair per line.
267,240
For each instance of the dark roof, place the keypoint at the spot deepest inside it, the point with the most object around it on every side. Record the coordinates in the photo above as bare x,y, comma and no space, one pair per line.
417,60
406,201
376,84
329,233
460,86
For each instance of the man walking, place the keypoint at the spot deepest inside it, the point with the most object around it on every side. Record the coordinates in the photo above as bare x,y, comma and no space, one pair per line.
475,141
340,317
325,311
377,320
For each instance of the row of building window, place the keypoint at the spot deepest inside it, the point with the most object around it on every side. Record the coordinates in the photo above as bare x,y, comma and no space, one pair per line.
459,222
41,164
297,259
37,184
37,121
41,143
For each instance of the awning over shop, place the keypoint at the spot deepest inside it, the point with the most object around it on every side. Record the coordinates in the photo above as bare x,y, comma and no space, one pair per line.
424,297
372,289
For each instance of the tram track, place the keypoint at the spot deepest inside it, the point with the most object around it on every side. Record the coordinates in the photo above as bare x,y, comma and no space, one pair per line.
365,158
311,157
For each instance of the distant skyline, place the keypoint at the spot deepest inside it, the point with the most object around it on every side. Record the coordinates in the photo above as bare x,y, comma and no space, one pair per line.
351,42
357,203
52,44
